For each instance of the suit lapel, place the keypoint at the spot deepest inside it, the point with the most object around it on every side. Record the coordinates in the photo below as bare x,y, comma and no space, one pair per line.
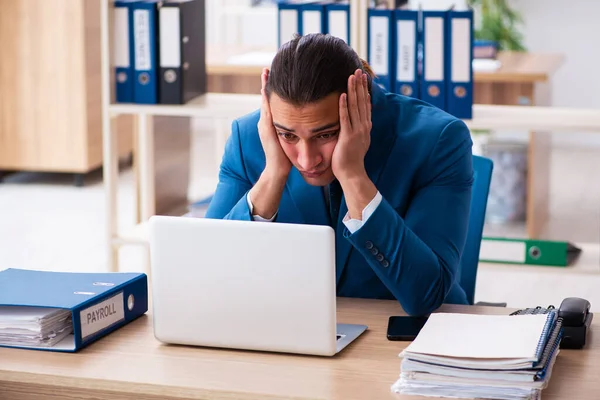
382,140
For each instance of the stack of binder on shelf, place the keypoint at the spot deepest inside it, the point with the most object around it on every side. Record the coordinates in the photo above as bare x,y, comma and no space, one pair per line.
481,356
309,16
424,54
66,311
159,51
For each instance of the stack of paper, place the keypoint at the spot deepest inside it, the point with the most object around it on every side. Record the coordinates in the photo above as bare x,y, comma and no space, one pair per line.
34,326
481,356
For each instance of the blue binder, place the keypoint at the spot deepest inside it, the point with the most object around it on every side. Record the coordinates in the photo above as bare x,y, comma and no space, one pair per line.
380,46
99,303
406,54
338,20
434,43
123,51
459,63
289,21
145,42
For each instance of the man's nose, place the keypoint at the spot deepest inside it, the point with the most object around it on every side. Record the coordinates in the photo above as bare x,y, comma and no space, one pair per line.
308,157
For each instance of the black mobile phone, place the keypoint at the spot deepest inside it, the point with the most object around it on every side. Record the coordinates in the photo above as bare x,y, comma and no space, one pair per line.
404,327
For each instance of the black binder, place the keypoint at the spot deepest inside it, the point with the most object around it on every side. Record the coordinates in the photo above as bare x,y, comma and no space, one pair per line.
182,31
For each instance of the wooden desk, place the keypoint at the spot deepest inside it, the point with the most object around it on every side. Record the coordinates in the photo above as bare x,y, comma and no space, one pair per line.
131,364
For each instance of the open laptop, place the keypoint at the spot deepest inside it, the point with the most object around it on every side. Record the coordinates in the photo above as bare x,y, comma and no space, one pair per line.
246,285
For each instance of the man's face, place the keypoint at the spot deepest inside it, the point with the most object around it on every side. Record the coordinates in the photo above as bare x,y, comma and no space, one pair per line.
308,135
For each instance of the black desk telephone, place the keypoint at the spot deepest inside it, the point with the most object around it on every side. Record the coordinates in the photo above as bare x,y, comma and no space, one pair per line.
576,320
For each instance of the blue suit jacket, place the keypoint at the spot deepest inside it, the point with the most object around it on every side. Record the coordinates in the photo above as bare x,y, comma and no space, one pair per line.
410,248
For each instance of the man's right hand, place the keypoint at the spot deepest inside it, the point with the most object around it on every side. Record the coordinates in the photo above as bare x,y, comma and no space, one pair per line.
278,164
266,193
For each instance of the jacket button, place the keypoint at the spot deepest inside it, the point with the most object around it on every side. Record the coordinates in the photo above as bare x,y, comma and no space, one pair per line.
385,263
374,251
380,257
369,245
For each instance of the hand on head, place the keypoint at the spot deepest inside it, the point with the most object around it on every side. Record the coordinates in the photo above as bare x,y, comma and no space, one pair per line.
355,128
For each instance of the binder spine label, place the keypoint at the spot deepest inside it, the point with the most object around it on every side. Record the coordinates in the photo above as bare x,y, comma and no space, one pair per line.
102,315
170,38
338,24
121,37
434,49
379,44
406,51
461,50
311,22
288,23
141,21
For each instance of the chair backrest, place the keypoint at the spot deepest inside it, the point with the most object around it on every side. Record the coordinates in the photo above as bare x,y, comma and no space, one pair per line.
482,168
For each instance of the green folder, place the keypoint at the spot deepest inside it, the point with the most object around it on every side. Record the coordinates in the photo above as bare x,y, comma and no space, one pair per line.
528,251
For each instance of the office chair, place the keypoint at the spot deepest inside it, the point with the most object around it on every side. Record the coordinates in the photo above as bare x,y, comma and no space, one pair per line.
482,168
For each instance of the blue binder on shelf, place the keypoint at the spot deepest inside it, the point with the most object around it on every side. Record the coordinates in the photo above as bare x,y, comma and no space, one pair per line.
406,54
123,50
434,43
380,46
86,305
313,18
337,16
459,63
289,21
145,43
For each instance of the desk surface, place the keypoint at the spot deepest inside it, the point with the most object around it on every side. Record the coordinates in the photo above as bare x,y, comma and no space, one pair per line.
516,66
131,364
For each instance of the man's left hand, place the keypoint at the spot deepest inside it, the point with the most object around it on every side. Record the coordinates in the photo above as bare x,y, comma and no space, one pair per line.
355,129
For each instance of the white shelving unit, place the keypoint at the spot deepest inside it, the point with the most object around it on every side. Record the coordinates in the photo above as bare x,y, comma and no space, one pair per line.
224,108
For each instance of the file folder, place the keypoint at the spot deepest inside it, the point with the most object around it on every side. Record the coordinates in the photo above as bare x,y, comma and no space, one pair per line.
528,251
145,40
338,20
99,303
459,63
434,48
123,51
407,37
313,18
289,20
380,34
182,48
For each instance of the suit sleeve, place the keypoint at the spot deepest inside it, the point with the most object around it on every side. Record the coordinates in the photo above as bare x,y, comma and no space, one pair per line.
230,199
417,257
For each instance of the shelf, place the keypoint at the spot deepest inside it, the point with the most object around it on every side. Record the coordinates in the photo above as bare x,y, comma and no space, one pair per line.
210,105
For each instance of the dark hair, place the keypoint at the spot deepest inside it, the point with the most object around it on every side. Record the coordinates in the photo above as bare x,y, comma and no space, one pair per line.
308,68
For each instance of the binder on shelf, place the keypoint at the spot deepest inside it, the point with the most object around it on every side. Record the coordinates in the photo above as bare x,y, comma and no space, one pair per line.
528,251
406,52
145,42
182,49
66,311
459,63
313,18
380,49
434,42
289,20
337,16
123,51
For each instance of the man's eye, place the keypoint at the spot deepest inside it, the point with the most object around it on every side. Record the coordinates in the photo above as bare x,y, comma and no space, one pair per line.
287,136
327,135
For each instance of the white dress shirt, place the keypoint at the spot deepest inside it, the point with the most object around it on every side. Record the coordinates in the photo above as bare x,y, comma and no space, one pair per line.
353,225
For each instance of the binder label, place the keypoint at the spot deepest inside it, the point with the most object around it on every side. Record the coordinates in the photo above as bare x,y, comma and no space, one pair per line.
434,49
406,50
379,45
288,22
338,24
141,23
170,38
121,38
505,251
102,315
461,50
311,22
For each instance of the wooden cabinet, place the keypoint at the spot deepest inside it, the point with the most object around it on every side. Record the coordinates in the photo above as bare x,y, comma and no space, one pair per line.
50,87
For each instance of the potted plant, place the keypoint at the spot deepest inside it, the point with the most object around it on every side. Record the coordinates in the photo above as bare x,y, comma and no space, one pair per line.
497,24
